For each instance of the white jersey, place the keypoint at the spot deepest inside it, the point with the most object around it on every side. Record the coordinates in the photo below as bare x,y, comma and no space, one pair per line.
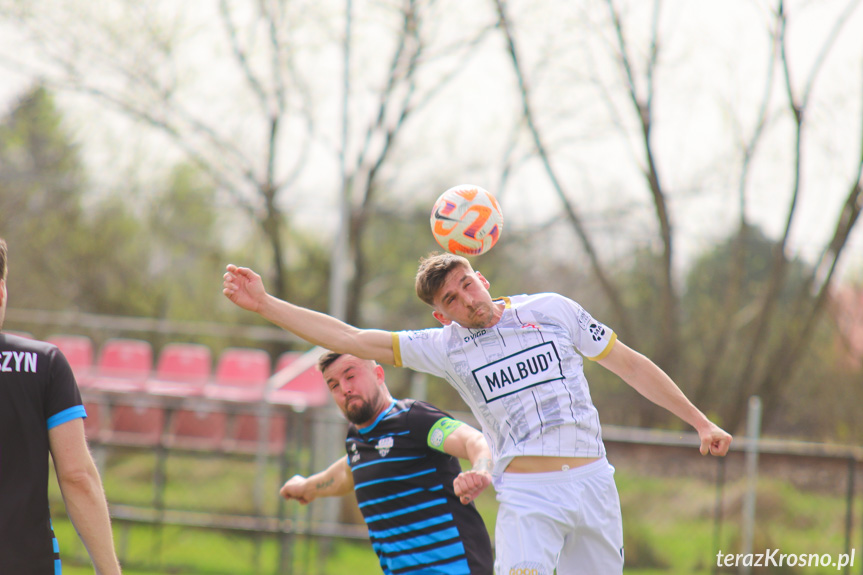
522,377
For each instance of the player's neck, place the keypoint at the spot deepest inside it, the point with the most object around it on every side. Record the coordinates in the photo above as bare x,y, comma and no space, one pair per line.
497,315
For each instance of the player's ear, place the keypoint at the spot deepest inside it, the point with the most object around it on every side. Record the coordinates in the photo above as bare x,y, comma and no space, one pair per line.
486,284
441,318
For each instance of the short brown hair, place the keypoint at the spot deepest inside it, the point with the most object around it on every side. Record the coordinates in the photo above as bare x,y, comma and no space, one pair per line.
2,259
432,273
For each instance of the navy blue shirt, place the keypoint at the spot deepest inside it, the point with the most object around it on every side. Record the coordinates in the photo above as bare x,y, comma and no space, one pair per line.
37,392
404,487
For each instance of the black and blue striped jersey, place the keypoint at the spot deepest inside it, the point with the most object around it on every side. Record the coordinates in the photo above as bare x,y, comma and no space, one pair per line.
404,488
37,392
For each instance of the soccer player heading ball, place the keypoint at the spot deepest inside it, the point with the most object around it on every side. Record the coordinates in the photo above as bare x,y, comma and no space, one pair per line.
517,362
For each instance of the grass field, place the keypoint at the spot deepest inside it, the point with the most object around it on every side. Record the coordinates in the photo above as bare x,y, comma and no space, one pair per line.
669,526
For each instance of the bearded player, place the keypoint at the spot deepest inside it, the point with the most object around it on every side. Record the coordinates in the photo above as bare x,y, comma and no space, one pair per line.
518,364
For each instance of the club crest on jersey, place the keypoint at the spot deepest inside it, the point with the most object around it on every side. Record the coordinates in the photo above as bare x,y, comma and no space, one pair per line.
384,445
436,438
355,456
523,370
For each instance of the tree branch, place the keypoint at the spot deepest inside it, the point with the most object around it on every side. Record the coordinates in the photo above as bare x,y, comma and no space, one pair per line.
799,107
737,266
608,286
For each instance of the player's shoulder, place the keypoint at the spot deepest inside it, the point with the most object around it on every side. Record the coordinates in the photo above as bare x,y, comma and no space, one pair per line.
10,342
423,409
422,334
537,299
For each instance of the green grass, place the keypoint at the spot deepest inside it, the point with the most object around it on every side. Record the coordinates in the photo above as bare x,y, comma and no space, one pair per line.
668,523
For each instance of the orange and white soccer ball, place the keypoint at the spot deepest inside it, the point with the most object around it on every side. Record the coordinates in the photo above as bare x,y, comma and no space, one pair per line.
466,220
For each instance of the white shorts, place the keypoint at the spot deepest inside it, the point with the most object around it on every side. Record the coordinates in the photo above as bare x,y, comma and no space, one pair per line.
565,520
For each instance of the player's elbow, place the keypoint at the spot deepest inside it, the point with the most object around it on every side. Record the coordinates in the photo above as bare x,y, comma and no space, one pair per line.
79,479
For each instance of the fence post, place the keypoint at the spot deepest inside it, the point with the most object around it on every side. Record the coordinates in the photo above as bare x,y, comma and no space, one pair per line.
717,515
753,434
849,513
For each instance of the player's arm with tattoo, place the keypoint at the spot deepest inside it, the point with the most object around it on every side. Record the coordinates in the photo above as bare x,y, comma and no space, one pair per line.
468,443
334,481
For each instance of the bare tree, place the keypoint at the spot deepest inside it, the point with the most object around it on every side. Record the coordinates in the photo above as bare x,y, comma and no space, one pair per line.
130,62
728,326
761,376
666,352
398,99
642,101
764,364
598,267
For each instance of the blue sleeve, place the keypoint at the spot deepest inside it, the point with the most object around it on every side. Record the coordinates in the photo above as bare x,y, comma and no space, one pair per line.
66,415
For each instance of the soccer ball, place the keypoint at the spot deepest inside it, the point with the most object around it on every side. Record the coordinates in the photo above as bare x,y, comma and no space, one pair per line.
466,220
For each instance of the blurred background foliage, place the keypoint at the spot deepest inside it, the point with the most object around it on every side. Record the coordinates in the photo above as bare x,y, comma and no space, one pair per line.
163,258
691,175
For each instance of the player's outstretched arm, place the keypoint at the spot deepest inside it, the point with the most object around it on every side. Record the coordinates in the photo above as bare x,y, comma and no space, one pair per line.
334,481
82,492
246,289
650,381
468,443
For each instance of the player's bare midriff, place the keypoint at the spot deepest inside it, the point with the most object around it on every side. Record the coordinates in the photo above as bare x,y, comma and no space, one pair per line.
541,464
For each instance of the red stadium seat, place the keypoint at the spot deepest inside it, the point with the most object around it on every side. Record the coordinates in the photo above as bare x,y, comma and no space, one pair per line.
197,429
123,368
241,377
124,365
136,423
305,389
183,370
78,350
245,433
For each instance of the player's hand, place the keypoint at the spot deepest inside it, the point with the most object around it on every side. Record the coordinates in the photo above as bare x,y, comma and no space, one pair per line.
714,440
295,488
469,484
244,287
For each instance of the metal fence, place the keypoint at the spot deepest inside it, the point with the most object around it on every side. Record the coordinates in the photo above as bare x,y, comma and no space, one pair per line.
298,531
737,518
